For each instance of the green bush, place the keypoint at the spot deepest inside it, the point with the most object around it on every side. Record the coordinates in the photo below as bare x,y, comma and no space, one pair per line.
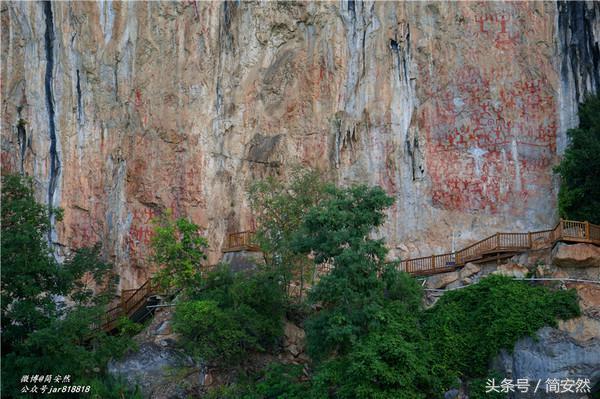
281,381
276,381
231,315
128,328
391,361
178,249
210,333
468,327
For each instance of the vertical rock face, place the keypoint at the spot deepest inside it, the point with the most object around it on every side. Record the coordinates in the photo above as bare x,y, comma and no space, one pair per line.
459,110
577,38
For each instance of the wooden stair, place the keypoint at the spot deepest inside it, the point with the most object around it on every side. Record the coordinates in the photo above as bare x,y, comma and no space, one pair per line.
503,245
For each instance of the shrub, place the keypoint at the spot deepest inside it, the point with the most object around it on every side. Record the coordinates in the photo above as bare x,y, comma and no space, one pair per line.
211,333
468,327
230,316
391,361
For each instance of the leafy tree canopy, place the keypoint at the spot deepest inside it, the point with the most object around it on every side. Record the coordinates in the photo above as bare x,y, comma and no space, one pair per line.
41,334
579,195
337,231
279,208
178,248
231,315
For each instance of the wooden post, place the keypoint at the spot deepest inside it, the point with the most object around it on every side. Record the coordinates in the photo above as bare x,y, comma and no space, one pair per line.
560,229
497,240
587,230
433,261
123,303
529,240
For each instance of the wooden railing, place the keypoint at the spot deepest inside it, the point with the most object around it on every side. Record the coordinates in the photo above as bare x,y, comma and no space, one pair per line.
503,243
131,301
242,240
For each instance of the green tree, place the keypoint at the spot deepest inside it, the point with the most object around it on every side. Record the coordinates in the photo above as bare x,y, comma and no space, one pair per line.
41,333
365,339
230,316
337,231
391,360
579,195
178,248
30,274
279,208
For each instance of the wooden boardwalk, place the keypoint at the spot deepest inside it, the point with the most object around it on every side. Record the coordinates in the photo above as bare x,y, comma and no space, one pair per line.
503,245
133,303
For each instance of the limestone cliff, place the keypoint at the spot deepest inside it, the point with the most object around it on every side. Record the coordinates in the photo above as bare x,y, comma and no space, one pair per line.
459,110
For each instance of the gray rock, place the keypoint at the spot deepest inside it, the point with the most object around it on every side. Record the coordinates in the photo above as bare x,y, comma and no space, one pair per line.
243,260
576,255
441,280
151,368
469,269
554,354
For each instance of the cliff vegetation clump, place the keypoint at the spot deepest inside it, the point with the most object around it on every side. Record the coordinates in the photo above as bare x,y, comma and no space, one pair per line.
579,195
50,310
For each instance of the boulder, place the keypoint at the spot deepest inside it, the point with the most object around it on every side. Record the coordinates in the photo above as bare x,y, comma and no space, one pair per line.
441,280
294,339
454,285
243,260
468,270
576,255
512,270
582,328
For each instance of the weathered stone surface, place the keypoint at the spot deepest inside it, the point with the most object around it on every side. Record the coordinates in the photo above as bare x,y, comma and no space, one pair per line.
576,255
555,354
581,329
151,368
458,109
243,260
441,280
294,341
512,270
533,257
468,270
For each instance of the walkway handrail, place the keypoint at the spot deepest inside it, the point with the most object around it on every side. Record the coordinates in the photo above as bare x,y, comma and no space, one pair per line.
131,301
565,230
241,240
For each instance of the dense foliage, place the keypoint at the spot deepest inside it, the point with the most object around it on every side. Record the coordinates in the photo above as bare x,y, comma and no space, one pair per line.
41,335
178,250
279,208
337,231
468,327
231,315
579,195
